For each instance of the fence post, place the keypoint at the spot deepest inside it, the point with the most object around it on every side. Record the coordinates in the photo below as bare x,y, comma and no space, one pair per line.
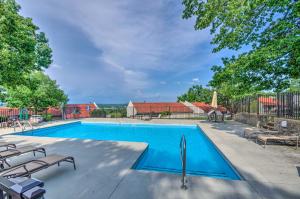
278,107
257,108
249,104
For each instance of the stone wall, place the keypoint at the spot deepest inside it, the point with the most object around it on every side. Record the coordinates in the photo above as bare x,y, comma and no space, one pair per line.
250,118
253,119
294,125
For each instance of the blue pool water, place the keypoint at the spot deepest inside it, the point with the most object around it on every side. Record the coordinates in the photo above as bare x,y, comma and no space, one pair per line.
163,152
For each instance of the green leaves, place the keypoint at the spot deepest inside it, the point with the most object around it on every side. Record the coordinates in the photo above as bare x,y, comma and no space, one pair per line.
22,48
197,93
23,53
271,28
39,92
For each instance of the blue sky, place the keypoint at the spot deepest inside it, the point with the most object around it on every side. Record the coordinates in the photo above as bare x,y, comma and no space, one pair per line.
115,51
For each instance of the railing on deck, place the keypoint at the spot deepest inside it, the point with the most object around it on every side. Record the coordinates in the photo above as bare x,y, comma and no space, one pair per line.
183,161
281,105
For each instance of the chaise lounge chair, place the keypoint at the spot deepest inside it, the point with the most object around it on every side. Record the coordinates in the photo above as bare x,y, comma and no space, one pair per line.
4,155
28,168
7,144
264,129
266,138
253,133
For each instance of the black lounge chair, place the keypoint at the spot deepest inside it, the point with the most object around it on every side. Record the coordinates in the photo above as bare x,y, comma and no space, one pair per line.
7,145
28,168
4,155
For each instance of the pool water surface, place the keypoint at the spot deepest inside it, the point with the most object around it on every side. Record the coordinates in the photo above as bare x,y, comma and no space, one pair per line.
163,152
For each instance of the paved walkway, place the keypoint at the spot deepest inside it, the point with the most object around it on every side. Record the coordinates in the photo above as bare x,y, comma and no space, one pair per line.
104,168
273,172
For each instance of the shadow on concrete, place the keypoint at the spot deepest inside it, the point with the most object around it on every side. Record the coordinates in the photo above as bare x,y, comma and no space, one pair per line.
100,167
103,171
167,186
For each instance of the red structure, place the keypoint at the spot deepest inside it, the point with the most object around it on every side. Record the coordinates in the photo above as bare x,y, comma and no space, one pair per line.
206,107
159,107
269,101
74,111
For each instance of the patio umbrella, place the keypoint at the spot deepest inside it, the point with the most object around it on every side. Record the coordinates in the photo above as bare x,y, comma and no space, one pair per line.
214,102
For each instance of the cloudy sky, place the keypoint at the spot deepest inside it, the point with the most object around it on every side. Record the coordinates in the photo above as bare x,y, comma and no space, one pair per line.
113,51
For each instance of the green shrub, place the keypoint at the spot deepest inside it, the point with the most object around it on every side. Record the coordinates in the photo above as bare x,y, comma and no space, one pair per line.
47,117
98,113
3,118
165,113
116,115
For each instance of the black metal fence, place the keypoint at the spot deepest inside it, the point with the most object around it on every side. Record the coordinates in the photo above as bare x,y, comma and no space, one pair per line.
9,115
281,105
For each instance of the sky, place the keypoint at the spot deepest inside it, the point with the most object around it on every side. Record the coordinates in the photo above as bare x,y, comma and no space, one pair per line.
112,51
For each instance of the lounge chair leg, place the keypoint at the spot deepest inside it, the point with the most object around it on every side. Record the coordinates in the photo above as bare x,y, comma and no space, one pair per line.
4,161
73,160
44,151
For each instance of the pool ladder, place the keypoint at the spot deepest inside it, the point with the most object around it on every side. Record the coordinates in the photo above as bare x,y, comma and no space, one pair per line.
183,161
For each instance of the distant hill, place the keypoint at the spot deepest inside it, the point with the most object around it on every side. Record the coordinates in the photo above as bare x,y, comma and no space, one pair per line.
112,105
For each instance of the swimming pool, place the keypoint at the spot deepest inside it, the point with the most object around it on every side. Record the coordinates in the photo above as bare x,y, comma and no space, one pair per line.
163,152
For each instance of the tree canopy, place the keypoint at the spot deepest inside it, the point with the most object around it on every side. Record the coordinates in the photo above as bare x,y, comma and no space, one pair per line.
39,92
22,48
269,28
198,93
295,85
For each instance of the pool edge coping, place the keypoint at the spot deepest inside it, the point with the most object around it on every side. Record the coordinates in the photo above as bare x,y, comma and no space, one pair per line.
235,170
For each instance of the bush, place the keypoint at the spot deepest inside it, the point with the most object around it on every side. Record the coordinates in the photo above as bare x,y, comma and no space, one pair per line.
98,113
116,115
47,117
165,113
3,118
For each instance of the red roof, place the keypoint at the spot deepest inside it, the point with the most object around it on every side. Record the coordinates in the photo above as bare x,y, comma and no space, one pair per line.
5,111
206,107
74,110
159,107
267,101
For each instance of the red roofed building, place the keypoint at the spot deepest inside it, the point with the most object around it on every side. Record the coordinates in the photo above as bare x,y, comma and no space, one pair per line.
267,104
6,112
73,111
268,101
158,109
203,108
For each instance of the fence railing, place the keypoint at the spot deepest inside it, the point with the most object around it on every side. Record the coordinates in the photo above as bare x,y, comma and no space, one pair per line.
281,105
7,115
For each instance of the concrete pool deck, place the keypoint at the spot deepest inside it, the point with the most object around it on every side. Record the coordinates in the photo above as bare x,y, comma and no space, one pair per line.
104,168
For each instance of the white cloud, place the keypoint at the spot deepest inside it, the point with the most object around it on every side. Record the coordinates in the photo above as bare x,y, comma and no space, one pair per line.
195,80
137,39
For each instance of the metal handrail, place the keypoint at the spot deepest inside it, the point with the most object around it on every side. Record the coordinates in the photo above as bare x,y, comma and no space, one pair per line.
183,161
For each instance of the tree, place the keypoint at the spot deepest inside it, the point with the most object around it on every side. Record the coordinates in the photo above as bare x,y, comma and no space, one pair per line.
197,93
22,48
269,28
295,85
39,93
